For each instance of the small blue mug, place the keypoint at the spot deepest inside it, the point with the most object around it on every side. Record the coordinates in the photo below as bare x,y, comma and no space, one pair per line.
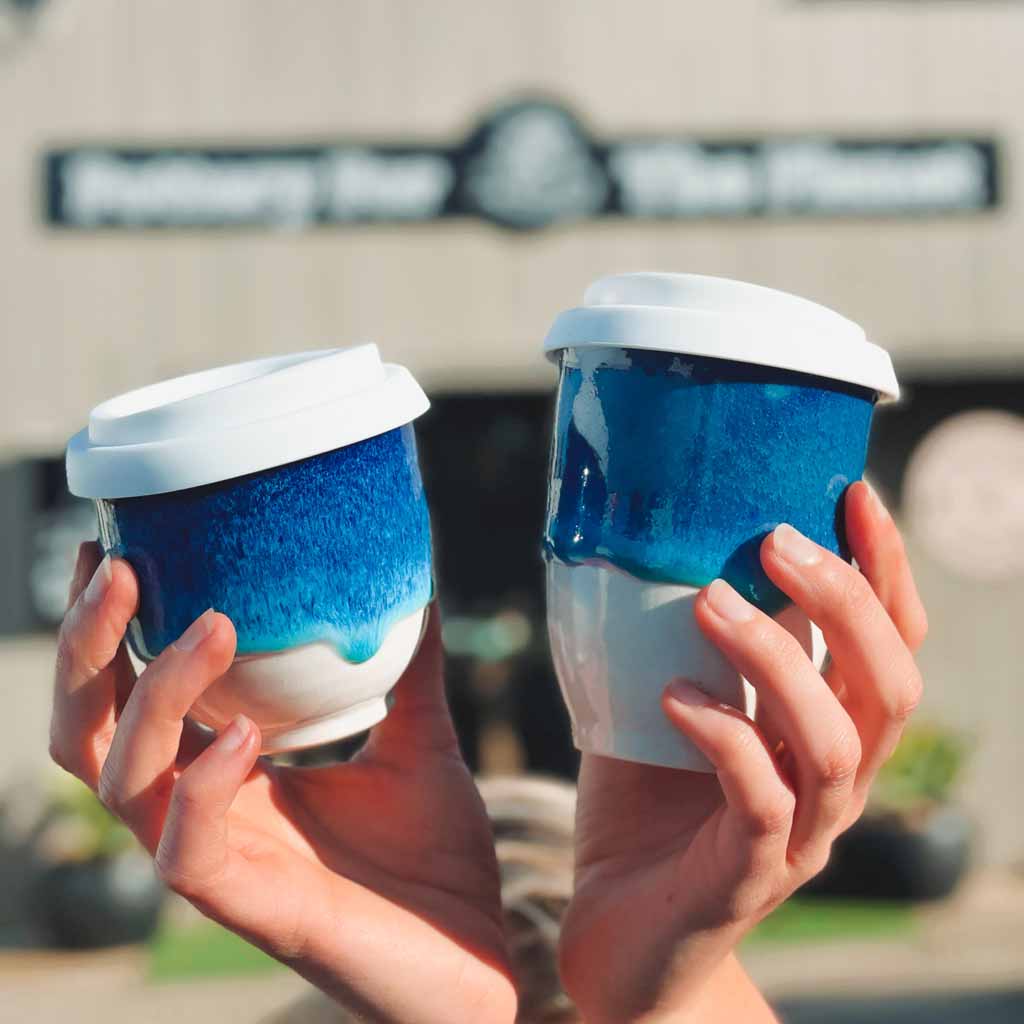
285,493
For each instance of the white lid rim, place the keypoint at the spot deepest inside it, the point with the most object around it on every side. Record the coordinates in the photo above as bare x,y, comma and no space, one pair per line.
180,463
763,340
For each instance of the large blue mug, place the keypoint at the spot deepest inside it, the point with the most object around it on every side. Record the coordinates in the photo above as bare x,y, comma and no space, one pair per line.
694,415
286,493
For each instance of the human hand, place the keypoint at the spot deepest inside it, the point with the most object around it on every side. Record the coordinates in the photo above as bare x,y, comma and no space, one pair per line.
375,879
674,867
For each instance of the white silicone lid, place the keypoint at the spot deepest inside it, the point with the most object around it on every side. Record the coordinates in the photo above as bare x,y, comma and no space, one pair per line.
223,423
696,315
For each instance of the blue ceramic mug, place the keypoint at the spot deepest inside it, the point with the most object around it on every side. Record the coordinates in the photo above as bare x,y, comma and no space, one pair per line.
285,493
694,415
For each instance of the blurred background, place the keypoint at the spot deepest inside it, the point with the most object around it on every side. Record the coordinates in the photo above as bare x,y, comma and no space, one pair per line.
189,183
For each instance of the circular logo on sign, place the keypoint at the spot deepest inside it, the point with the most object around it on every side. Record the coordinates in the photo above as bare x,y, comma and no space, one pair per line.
530,165
964,494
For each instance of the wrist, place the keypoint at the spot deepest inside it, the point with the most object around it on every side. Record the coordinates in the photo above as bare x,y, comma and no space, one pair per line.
727,995
427,980
712,988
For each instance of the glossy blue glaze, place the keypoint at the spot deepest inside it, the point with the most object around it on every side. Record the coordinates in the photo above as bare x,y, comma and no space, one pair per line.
674,468
334,548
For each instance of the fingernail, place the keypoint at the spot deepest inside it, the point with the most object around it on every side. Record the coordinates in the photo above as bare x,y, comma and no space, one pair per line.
877,507
100,582
727,604
684,692
792,546
235,734
196,633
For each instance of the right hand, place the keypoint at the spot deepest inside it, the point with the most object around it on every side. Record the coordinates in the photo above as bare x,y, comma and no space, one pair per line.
674,867
375,879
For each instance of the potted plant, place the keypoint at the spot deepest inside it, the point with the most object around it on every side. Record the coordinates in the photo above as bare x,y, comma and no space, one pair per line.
99,887
913,842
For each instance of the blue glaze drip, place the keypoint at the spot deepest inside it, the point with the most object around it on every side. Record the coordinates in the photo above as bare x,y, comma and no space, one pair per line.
333,548
674,468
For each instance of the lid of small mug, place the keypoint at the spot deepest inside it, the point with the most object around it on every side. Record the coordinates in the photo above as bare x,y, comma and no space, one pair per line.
223,423
696,315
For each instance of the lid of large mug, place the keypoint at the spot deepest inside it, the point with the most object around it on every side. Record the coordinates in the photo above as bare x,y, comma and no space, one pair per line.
223,423
696,315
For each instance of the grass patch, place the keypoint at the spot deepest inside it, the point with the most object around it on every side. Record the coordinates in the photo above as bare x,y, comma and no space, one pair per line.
204,950
809,919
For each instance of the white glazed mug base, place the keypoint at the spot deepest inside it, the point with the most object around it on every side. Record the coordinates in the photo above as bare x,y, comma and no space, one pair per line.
617,641
309,695
337,726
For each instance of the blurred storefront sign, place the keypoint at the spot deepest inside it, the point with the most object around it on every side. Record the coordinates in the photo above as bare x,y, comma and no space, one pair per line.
527,165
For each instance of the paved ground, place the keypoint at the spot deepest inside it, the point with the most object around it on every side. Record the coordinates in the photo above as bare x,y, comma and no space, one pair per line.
110,988
978,1008
964,964
972,942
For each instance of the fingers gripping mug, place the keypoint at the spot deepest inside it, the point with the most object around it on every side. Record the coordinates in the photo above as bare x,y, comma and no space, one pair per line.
694,415
286,493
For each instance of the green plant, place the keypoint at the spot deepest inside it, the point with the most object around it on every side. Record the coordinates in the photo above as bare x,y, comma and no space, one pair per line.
84,827
203,950
923,769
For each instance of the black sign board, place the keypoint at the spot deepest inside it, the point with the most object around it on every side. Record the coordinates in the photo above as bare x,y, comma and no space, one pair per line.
528,165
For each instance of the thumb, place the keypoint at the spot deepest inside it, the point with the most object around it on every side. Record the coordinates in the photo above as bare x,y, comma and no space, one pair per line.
193,854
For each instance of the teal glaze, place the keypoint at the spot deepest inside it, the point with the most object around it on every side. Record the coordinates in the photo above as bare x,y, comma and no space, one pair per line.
674,468
333,548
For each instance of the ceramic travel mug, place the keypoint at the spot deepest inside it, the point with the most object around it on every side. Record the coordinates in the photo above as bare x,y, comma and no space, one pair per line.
694,415
285,493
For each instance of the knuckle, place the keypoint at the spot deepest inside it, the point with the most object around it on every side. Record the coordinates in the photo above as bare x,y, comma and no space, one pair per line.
59,756
838,767
197,884
907,699
152,698
913,624
814,861
187,798
855,596
775,646
172,874
762,635
786,650
753,898
109,792
739,742
773,817
853,812
71,662
921,631
66,651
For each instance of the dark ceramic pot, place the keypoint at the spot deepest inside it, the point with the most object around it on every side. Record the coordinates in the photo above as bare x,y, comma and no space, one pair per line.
108,901
893,857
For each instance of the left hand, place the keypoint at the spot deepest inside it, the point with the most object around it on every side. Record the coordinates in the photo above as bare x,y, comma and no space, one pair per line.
673,867
375,879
